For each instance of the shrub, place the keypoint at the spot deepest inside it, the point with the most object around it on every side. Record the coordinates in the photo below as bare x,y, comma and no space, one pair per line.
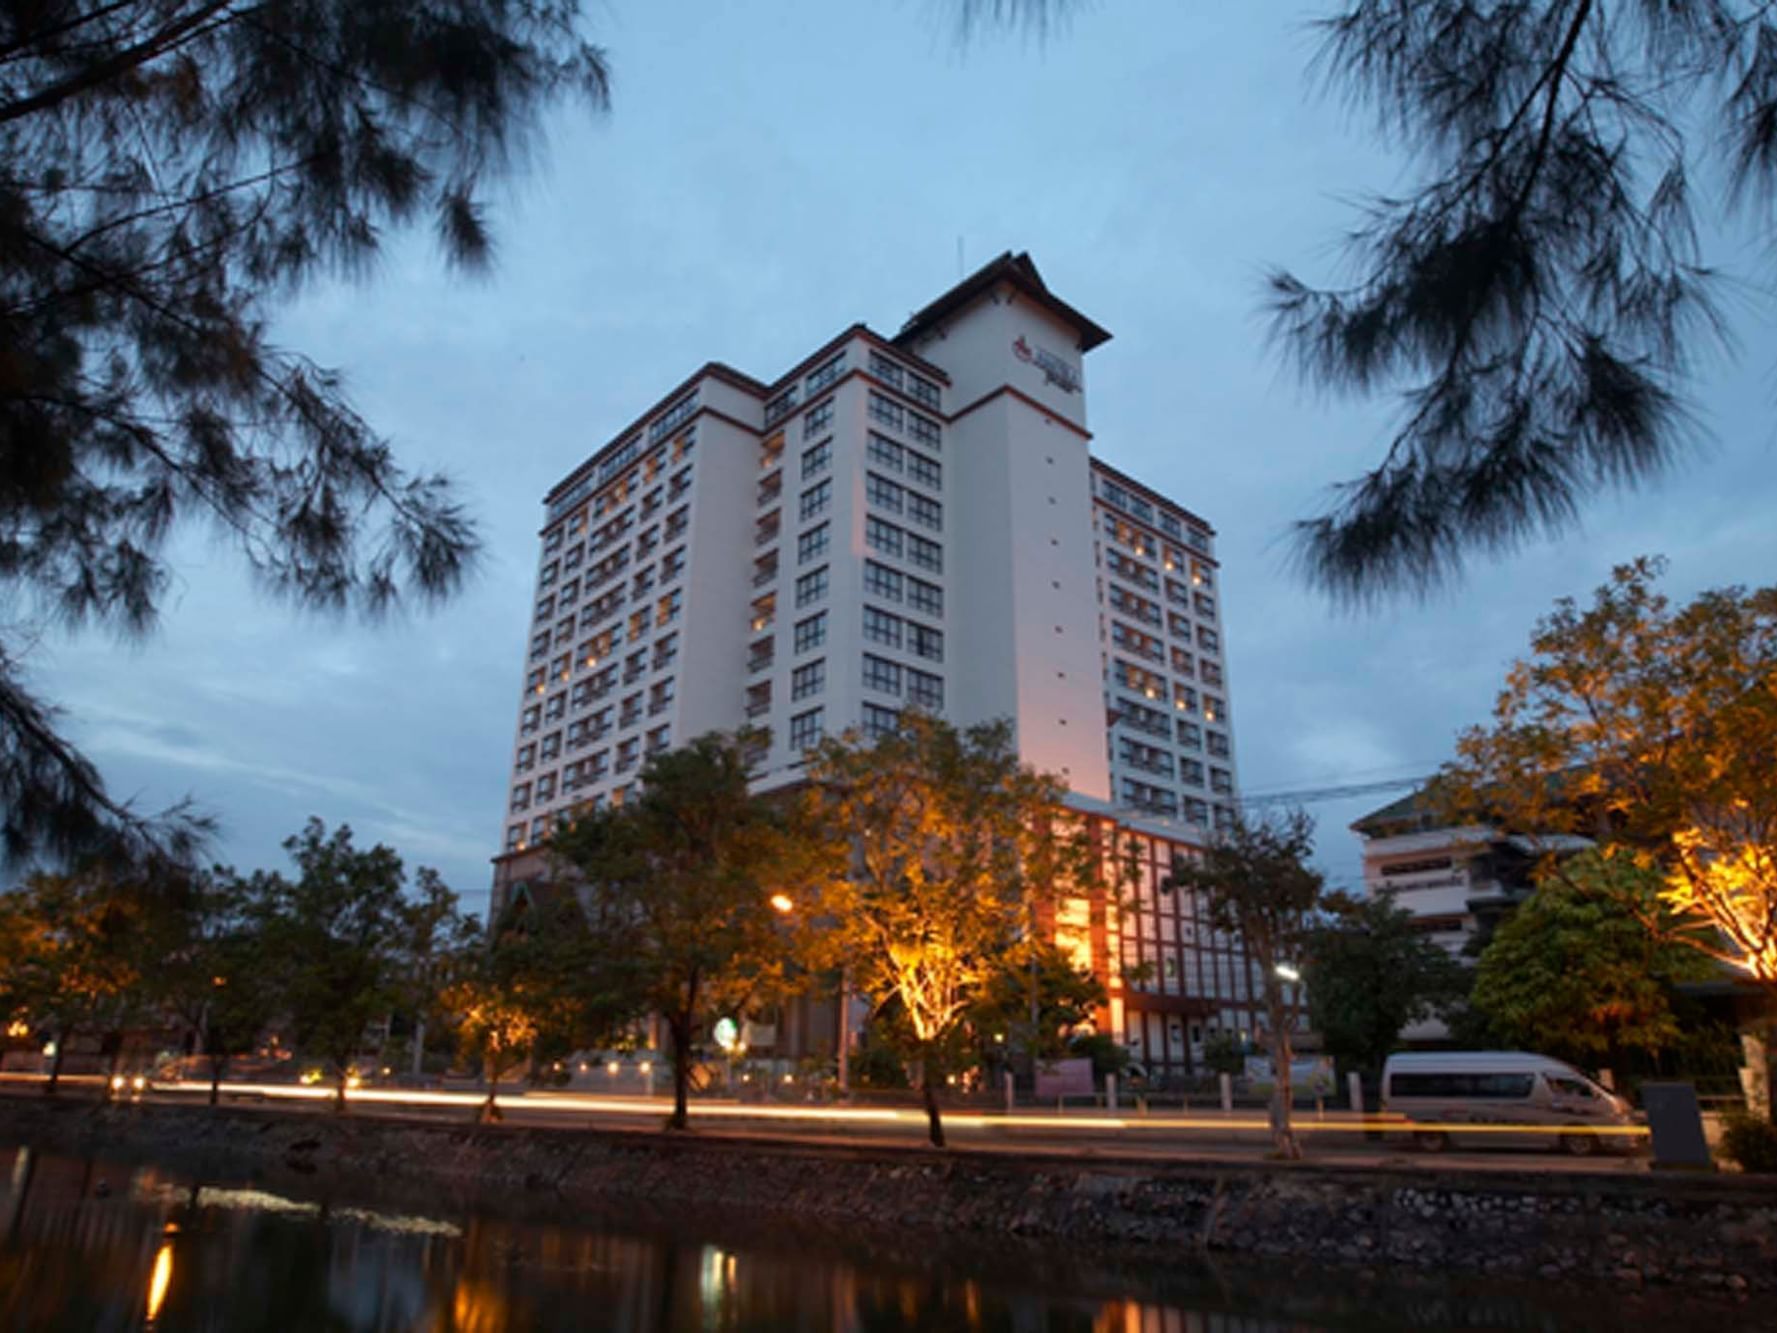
1750,1142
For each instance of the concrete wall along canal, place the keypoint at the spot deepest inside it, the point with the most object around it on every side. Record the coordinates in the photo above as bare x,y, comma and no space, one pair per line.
1702,1231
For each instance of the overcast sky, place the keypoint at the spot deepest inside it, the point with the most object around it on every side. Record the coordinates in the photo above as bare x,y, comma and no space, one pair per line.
768,174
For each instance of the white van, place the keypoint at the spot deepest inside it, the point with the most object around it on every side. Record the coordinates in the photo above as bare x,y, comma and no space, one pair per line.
1448,1090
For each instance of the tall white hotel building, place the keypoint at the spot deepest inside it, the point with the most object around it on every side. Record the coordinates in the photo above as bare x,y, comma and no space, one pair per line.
915,520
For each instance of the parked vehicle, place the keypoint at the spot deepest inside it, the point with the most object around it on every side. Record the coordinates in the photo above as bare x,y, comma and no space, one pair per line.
1451,1091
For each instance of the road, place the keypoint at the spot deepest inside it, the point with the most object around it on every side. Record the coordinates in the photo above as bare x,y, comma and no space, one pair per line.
1173,1136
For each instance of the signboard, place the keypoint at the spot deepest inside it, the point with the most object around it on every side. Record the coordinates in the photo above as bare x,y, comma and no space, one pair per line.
1065,1078
726,1033
1055,370
1677,1126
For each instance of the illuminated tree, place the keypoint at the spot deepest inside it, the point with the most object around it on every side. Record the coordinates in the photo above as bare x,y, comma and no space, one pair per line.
530,982
1256,884
954,846
1652,729
678,884
175,170
77,952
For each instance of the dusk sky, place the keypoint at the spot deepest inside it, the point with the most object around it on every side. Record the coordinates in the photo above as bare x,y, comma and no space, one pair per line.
768,174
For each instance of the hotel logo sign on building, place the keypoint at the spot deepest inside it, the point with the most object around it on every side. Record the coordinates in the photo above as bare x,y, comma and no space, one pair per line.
1055,370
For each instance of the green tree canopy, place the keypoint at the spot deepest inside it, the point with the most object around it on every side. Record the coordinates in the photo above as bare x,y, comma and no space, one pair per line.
333,937
1574,973
678,885
1369,975
174,170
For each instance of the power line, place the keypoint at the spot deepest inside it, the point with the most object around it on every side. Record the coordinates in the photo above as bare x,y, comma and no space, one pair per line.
1313,795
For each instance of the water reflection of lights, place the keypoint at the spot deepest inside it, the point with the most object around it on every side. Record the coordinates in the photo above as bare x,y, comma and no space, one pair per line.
160,1278
715,1278
263,1201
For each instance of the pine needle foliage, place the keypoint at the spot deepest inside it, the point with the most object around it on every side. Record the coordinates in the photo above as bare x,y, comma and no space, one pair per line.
1538,296
173,170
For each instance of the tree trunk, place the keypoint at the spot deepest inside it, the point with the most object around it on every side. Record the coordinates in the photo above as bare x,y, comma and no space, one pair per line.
339,1090
55,1065
489,1111
218,1063
928,1077
1283,1136
681,1039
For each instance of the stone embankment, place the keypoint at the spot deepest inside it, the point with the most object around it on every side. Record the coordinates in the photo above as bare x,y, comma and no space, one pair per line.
1704,1232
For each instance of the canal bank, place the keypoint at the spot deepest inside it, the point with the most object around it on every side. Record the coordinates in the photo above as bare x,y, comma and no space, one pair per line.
1717,1233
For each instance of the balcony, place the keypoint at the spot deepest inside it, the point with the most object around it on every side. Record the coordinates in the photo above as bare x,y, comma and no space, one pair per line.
764,570
767,529
759,661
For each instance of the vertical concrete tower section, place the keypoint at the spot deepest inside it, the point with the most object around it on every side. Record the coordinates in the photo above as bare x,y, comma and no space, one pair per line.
1025,620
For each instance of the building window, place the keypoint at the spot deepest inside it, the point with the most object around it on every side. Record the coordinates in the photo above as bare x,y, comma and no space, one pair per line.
815,500
883,493
1191,771
882,675
925,690
1190,735
817,460
923,429
658,739
1208,640
780,406
811,587
812,545
886,453
881,627
824,374
926,513
926,554
925,471
521,796
806,730
880,721
811,633
884,537
927,643
881,581
660,697
515,835
808,679
626,754
926,597
886,410
817,419
1218,745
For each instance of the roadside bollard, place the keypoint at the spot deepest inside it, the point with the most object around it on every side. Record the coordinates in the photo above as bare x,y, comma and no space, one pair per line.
1227,1094
1008,1092
1354,1084
1110,1092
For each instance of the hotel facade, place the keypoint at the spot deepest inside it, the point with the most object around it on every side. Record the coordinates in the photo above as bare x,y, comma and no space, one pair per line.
894,522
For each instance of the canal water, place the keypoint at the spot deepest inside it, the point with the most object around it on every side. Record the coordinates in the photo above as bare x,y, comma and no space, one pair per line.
90,1245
